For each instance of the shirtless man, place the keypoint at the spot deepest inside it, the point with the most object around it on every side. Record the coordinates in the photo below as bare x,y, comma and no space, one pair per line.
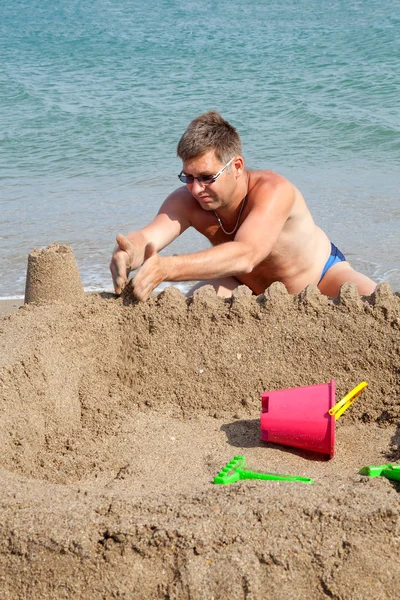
258,224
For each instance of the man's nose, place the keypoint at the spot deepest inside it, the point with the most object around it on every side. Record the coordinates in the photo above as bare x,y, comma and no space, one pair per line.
197,186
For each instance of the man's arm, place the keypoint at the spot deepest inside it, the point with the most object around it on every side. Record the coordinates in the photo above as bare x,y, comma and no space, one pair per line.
271,206
130,251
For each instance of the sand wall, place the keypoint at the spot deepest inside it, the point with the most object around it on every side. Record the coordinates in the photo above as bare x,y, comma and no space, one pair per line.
117,415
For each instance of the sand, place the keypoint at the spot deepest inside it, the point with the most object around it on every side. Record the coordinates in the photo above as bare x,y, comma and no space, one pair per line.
10,305
52,275
116,416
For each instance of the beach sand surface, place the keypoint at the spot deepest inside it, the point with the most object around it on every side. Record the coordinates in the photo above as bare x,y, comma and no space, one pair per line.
9,306
117,415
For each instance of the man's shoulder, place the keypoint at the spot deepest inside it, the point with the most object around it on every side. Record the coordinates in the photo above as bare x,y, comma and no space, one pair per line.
266,176
180,197
267,181
180,202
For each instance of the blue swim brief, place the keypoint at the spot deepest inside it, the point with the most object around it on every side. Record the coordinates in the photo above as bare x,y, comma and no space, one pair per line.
335,257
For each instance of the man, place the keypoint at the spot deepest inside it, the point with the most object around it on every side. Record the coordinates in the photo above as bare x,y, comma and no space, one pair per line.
258,224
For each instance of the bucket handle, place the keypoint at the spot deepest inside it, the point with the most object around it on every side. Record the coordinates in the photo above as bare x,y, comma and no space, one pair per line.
346,401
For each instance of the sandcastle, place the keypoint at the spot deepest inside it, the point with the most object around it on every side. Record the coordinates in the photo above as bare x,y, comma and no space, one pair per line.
53,276
116,416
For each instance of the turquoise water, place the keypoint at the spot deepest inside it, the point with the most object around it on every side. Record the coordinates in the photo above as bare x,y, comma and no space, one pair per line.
95,95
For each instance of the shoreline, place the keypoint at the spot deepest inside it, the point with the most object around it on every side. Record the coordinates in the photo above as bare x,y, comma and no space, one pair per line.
11,305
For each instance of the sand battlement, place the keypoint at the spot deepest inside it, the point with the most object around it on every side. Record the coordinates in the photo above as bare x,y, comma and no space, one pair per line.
116,416
53,276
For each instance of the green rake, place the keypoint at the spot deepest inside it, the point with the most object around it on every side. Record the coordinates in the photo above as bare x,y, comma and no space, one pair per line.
234,470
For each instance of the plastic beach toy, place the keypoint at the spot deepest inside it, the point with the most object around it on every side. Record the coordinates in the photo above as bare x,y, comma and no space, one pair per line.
388,471
234,470
347,400
304,417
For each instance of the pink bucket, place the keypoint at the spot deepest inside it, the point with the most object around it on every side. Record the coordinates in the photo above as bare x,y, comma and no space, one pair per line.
299,417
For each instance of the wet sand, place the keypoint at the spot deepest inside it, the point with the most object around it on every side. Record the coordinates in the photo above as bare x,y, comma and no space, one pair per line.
9,306
116,416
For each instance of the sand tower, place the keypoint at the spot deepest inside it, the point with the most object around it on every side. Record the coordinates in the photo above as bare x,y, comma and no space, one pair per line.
53,276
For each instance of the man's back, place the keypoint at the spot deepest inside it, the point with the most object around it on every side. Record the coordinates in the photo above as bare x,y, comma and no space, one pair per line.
300,248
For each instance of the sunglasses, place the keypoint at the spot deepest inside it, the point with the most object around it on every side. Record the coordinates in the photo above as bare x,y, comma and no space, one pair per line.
202,179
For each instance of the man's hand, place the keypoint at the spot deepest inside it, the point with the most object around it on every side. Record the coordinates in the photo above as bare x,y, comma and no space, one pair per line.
121,262
152,273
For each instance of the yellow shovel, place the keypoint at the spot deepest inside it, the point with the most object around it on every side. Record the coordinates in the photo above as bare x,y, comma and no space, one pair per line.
346,401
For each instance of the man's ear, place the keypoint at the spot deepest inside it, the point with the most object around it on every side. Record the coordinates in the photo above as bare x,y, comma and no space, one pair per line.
238,165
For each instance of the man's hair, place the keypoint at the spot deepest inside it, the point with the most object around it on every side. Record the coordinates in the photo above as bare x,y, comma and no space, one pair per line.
210,132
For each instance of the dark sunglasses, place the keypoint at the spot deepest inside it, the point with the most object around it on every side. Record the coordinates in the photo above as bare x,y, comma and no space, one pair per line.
202,179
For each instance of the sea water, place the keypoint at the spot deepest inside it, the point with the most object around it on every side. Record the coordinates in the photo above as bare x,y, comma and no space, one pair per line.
96,93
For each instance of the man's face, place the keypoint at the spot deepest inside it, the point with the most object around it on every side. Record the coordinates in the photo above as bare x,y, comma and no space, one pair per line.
213,195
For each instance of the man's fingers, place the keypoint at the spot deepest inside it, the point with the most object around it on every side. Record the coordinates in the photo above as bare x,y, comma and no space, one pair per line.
149,251
121,262
123,242
141,295
119,270
119,284
142,291
142,284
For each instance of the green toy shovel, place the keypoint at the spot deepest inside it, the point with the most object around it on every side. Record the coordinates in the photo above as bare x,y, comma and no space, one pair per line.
388,471
234,470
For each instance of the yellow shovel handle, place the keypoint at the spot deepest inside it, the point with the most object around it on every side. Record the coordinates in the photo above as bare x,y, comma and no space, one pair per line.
346,401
